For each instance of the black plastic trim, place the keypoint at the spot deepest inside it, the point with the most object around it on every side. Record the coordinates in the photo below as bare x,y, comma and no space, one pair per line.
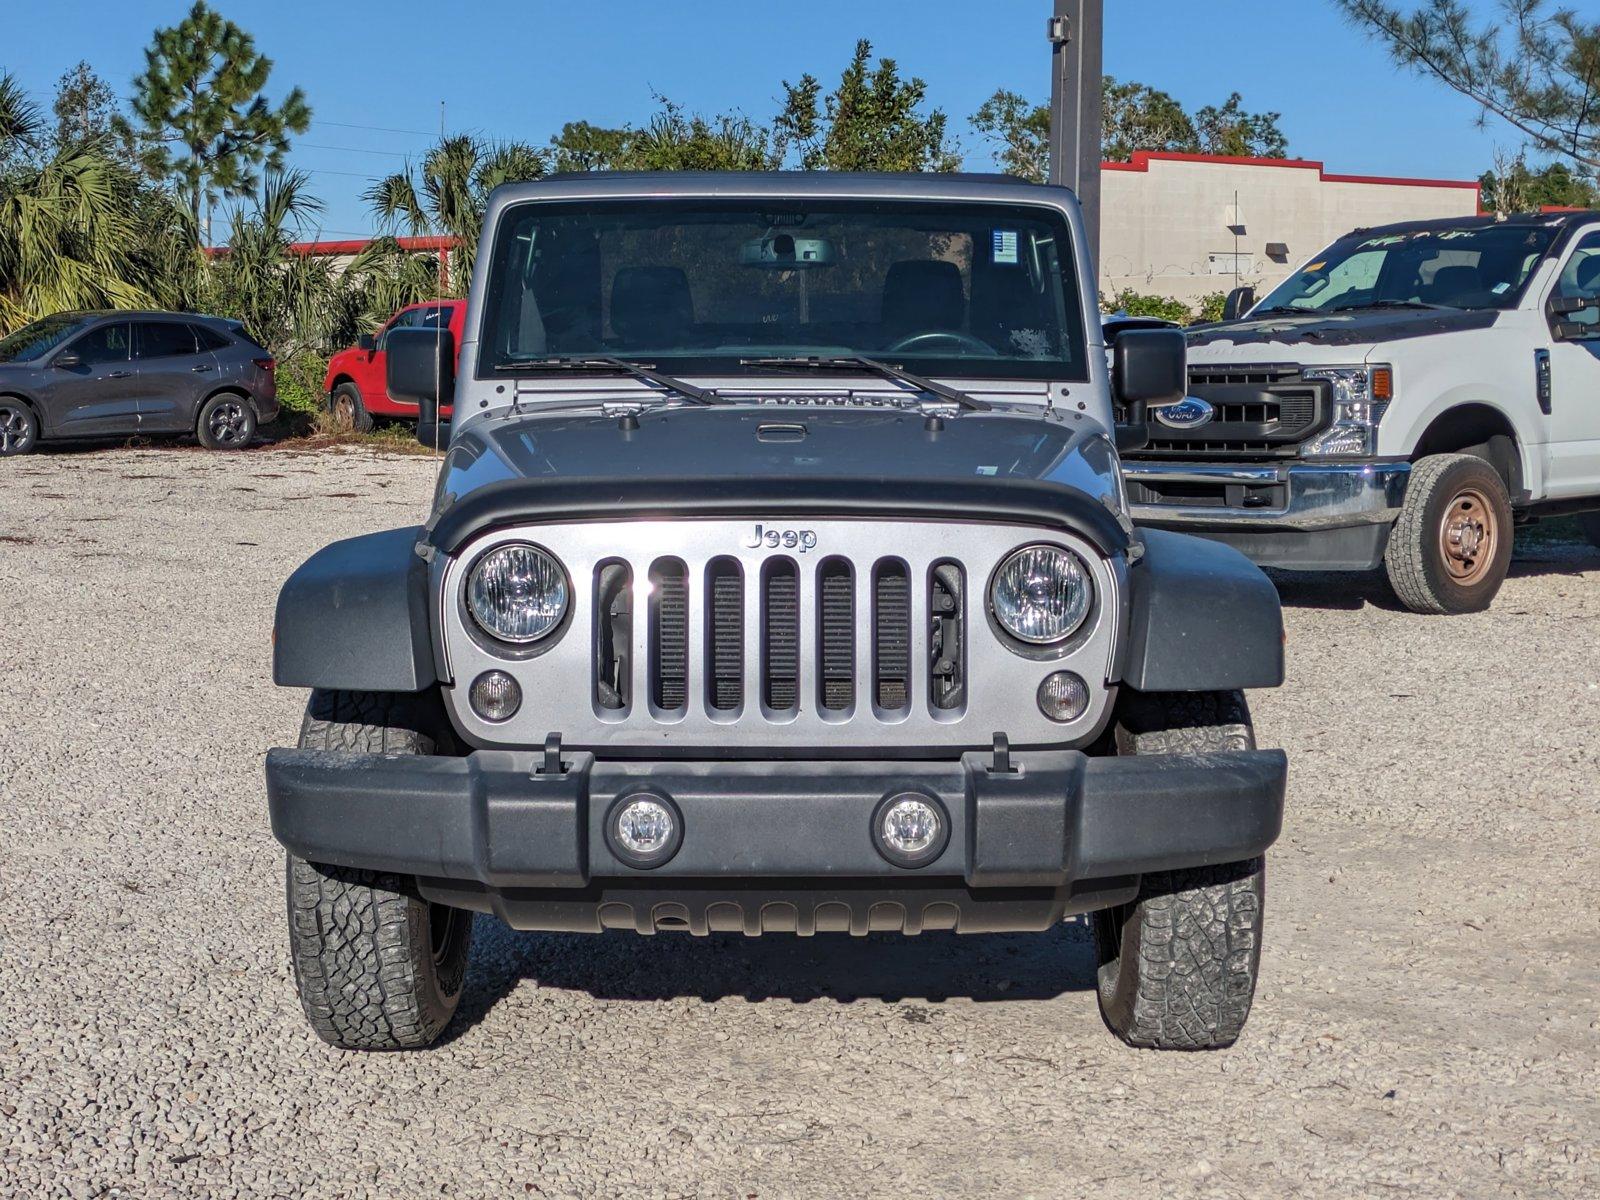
571,498
1202,617
355,616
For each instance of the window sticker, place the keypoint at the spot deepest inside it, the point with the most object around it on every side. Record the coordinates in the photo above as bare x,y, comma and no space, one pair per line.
1005,246
1501,288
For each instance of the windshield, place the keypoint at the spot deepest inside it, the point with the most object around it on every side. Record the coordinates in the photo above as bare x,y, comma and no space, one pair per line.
961,290
39,338
1482,267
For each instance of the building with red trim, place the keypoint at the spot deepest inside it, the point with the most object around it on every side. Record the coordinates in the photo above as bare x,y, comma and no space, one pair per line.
1188,225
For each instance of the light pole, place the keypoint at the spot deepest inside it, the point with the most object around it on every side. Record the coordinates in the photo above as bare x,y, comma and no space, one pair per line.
1076,34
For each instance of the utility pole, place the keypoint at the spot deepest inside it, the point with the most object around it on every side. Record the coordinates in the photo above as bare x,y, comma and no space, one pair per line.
1076,34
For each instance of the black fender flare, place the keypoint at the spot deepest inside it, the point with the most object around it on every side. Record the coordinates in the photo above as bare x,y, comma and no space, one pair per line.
1201,617
354,616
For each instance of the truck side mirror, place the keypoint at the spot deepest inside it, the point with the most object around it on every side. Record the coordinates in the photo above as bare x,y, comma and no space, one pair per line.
367,342
1240,301
422,370
1149,368
1566,306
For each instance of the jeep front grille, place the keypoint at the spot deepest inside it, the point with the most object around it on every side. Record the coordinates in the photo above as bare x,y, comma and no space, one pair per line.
685,639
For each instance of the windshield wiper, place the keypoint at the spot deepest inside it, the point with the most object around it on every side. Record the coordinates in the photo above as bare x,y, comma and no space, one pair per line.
1395,304
872,366
605,362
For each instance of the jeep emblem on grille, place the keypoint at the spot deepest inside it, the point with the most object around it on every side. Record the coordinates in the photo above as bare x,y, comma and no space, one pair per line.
1188,413
763,538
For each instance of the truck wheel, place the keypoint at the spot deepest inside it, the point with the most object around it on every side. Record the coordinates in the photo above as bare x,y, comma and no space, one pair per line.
227,422
1451,547
19,428
1178,965
349,409
377,967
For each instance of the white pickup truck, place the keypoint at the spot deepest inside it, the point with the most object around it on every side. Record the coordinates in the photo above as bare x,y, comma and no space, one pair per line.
1407,398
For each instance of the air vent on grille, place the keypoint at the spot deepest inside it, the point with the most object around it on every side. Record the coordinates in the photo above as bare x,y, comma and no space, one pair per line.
891,631
613,625
947,655
669,632
781,623
725,631
836,634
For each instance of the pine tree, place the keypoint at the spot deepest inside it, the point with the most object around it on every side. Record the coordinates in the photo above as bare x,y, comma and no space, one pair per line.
199,103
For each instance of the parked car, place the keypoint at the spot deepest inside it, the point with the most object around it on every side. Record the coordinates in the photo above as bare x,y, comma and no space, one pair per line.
109,374
354,383
779,580
1407,398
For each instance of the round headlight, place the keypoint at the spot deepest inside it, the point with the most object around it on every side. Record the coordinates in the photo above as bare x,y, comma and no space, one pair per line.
517,593
1042,594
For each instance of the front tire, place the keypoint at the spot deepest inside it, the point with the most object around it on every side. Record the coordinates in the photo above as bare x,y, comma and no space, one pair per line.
227,422
348,409
19,427
1450,549
376,966
1177,966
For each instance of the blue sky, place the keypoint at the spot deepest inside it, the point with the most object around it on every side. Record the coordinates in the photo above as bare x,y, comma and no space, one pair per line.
520,69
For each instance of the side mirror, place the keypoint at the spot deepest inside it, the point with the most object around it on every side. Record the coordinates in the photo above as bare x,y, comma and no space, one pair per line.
1240,301
367,342
1573,331
1149,368
67,361
422,370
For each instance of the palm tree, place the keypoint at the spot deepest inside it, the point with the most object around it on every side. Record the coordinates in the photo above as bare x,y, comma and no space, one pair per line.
448,193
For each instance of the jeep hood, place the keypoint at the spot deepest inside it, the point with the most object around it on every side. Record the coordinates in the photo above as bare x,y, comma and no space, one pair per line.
796,442
1357,328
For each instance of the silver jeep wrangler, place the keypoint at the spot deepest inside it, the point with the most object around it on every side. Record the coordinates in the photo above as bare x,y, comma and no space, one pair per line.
779,578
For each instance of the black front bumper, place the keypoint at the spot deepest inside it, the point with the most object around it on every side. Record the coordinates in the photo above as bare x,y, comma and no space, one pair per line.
776,845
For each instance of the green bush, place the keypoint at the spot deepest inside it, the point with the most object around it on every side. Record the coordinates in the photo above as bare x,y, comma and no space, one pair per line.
300,383
1211,306
1137,304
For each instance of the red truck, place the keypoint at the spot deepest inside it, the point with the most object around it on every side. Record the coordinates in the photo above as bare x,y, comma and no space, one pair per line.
355,379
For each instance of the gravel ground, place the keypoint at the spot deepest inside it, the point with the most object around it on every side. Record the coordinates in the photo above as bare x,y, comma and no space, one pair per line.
1427,1021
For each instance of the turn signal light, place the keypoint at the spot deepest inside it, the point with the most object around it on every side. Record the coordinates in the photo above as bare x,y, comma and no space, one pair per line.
1383,383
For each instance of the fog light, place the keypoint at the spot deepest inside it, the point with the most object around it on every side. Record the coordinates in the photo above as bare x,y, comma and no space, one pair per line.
644,829
1063,696
910,829
495,696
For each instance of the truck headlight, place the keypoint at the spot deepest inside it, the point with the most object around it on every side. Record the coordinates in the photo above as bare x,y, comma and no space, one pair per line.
1041,594
517,593
1360,396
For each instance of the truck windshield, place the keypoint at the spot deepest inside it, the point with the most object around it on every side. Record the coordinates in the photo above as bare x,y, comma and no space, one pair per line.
1484,266
708,286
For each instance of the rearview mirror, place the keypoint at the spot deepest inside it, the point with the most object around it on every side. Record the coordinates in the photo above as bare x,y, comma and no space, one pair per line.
367,342
1149,368
787,252
67,361
1240,301
421,370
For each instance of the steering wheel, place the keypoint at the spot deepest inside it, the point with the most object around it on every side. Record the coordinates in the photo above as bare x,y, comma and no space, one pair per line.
919,340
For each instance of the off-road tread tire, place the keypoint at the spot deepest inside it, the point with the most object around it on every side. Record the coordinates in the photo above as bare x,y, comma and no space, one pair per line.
360,418
1413,560
361,941
1178,965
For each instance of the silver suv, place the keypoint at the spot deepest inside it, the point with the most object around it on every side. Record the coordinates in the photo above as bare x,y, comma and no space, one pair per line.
112,374
779,579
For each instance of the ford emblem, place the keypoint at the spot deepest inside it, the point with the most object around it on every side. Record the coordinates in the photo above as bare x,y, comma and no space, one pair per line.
1188,413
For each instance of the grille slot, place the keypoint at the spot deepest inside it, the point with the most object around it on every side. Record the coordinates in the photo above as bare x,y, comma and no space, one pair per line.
669,634
836,634
725,634
947,637
1259,411
891,635
780,603
613,635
